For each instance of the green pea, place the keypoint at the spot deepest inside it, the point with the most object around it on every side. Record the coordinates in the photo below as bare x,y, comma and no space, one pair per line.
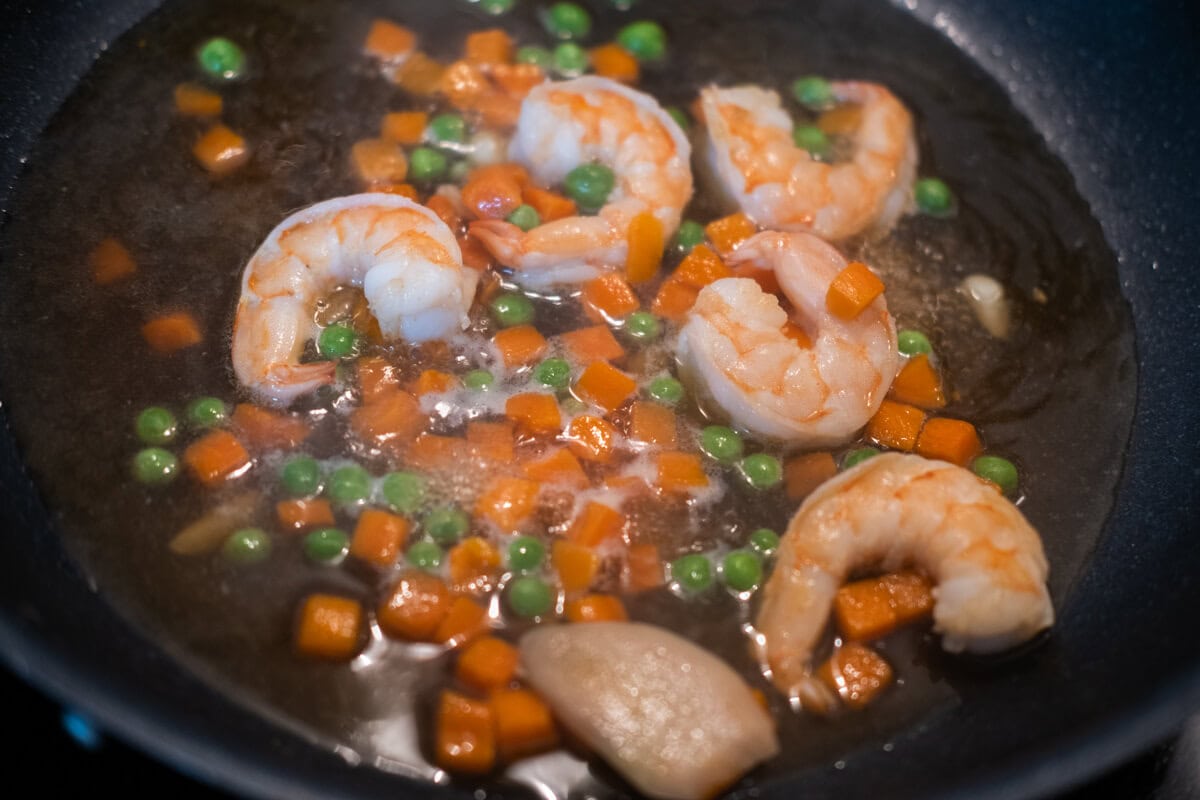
448,128
221,58
742,571
692,572
511,309
665,390
645,40
690,234
934,197
555,372
529,596
247,546
913,343
642,326
680,116
206,412
999,471
855,457
426,164
478,380
496,7
425,556
349,485
326,545
813,92
155,466
765,542
721,443
446,525
567,21
589,185
570,59
812,139
762,471
337,341
301,476
403,491
531,54
525,553
525,217
156,425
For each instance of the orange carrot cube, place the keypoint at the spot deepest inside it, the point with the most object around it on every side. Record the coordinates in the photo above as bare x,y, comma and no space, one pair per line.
872,608
494,191
473,563
216,457
524,725
172,332
854,288
534,413
550,205
379,161
857,673
609,297
420,75
433,381
896,425
487,664
729,232
605,385
520,345
596,524
575,564
414,607
595,343
952,440
679,472
643,567
492,46
803,474
508,502
674,299
919,384
595,608
559,467
432,452
391,418
492,441
652,423
701,267
263,429
516,80
645,240
329,627
193,100
110,262
378,537
302,513
374,376
591,438
465,738
388,41
404,127
220,150
464,620
615,62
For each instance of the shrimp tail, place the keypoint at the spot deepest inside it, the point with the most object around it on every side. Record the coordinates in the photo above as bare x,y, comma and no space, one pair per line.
503,240
297,379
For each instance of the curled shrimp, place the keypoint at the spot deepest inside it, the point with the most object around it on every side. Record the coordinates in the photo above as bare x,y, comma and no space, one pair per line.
566,124
782,187
894,510
405,259
745,355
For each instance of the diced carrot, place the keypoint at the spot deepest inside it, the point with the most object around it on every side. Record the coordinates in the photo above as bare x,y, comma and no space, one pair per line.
605,385
609,297
701,267
652,423
872,608
678,472
487,664
857,673
446,211
492,441
420,75
595,608
591,438
508,502
300,513
674,299
375,375
388,41
596,524
575,564
797,334
560,467
645,239
465,735
613,61
110,261
463,83
534,413
524,725
220,150
765,278
854,288
473,563
919,384
406,190
729,232
379,161
494,192
594,343
378,537
492,46
432,452
516,80
392,417
404,127
172,332
842,120
465,620
329,627
216,457
802,474
193,100
414,607
549,205
520,345
952,440
263,429
433,381
896,425
498,110
644,567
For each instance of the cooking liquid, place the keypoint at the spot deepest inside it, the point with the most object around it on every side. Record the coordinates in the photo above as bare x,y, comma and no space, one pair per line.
1056,397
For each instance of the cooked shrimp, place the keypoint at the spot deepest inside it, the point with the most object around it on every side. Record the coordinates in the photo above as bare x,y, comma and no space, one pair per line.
740,349
752,154
405,259
563,125
894,510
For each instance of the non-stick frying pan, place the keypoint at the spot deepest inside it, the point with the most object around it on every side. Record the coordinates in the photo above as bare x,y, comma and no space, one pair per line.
1111,87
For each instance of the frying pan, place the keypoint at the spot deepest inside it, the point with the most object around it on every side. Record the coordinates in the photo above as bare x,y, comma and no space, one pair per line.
1110,87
